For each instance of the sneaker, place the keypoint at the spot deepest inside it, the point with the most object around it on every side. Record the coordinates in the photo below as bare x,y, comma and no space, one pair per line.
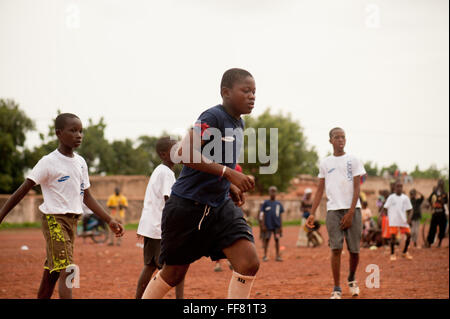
110,244
218,268
279,258
353,288
265,258
393,258
229,265
407,256
336,295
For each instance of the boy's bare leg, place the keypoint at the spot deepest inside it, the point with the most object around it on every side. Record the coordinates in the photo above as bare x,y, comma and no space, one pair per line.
277,247
242,256
244,260
179,290
174,274
336,266
64,291
48,283
144,279
353,265
266,245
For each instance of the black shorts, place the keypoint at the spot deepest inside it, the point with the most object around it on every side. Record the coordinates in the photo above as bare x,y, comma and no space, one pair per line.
183,242
152,249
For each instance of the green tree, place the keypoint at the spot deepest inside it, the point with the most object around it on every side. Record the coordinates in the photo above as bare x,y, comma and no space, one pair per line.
96,149
432,172
147,144
295,156
14,124
371,168
127,160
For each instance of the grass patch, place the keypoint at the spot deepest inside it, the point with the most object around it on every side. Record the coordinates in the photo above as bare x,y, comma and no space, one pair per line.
19,225
132,226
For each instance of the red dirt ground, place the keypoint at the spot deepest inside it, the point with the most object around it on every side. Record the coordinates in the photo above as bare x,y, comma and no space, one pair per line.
112,272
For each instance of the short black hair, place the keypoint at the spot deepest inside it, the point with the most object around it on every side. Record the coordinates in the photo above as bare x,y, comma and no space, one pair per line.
164,144
60,120
333,130
231,76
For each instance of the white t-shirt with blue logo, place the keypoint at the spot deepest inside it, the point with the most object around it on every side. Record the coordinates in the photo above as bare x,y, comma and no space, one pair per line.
63,181
338,172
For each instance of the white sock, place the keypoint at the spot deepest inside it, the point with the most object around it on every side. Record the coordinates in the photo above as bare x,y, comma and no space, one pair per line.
157,288
240,286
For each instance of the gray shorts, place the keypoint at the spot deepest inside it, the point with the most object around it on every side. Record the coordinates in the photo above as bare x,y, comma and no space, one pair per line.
336,234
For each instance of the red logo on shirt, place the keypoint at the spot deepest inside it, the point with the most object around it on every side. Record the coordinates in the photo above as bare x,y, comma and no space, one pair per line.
203,127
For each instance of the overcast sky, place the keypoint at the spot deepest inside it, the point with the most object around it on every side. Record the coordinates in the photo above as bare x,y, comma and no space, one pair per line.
379,69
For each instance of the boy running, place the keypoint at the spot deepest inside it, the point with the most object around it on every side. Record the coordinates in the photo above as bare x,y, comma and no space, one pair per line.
340,175
200,219
270,219
397,207
156,195
63,176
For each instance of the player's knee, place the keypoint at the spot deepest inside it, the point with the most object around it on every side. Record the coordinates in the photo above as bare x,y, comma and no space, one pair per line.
249,267
173,275
336,252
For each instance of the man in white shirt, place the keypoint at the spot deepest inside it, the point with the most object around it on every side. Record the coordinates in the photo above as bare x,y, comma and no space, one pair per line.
158,191
340,176
397,206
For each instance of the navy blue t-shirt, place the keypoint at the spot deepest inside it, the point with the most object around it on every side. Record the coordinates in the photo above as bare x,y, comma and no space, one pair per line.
214,124
272,210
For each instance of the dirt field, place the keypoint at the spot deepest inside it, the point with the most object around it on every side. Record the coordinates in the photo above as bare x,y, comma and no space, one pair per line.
112,272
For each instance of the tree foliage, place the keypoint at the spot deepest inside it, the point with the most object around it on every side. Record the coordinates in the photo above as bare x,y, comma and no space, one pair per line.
295,156
14,124
371,168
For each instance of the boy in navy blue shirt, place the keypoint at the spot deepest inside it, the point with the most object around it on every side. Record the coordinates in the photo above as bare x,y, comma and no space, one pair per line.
270,219
200,219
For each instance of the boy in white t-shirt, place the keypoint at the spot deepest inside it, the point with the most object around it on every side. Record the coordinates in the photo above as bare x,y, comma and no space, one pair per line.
398,207
339,175
158,191
63,176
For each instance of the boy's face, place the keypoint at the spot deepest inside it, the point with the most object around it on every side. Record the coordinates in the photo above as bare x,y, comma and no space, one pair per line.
338,140
72,133
398,188
241,97
165,155
272,193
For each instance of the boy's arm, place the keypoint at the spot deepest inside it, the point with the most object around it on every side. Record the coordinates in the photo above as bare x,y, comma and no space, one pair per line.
98,210
16,197
316,203
409,215
191,157
237,196
346,221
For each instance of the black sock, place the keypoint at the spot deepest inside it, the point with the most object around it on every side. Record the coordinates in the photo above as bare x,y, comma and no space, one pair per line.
406,244
392,246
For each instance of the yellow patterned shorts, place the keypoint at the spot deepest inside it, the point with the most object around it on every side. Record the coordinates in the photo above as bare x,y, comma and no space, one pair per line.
59,233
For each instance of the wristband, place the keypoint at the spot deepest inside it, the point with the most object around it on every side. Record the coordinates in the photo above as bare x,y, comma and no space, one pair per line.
223,172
